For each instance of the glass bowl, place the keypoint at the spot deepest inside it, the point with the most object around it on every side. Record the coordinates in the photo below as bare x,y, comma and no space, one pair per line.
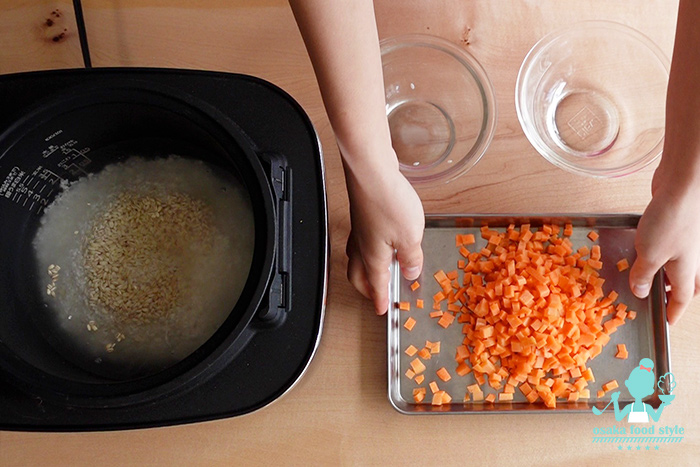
591,98
440,105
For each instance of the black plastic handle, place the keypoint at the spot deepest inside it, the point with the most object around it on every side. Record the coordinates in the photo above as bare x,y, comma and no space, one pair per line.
279,292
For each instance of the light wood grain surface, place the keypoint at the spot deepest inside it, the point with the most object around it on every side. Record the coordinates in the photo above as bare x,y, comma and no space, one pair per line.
338,414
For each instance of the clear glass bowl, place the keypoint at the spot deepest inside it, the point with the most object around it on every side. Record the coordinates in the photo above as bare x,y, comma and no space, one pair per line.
440,105
591,98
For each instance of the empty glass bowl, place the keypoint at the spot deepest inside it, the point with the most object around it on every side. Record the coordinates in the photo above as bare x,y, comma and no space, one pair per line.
591,98
440,105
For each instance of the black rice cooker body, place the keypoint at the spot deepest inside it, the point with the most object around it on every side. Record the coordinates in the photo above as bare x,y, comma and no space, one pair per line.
94,118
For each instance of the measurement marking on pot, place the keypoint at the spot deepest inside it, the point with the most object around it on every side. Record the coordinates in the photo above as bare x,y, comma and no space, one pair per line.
75,159
24,187
50,150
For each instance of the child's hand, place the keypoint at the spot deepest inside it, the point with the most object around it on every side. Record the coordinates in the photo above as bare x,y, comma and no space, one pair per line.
668,235
386,214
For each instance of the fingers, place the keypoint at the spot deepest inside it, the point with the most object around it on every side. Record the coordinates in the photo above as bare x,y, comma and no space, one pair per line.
642,273
356,268
410,257
369,272
683,278
377,264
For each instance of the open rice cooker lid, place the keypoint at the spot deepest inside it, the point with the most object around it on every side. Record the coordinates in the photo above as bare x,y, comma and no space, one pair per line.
265,137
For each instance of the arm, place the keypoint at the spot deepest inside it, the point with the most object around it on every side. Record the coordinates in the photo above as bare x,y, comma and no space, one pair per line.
668,232
385,211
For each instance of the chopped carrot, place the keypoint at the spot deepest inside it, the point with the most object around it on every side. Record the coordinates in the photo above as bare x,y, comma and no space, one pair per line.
415,285
631,314
532,310
417,366
593,235
436,314
610,385
440,276
568,230
411,350
419,303
600,394
410,373
623,265
405,306
433,346
463,369
424,353
621,352
419,379
443,374
440,398
446,319
446,398
505,396
491,398
468,239
433,387
419,394
410,323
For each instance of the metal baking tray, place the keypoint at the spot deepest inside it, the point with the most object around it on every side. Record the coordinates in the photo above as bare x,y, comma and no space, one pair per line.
645,336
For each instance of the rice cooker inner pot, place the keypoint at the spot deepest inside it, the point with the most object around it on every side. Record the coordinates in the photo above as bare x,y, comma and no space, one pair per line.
113,123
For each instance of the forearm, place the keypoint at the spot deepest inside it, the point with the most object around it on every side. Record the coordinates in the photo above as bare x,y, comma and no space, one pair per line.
681,155
342,41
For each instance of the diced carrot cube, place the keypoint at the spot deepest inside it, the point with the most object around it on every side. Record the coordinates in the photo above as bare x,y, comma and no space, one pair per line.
468,239
424,353
621,352
409,323
443,374
417,366
419,394
610,385
623,265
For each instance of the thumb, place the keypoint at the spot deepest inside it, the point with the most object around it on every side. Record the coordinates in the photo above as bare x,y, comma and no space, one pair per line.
642,275
410,259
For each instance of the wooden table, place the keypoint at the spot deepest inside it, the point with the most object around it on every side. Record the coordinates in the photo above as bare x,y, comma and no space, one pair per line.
338,414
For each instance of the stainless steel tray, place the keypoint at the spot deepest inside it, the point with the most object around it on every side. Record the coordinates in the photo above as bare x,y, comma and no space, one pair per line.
645,336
